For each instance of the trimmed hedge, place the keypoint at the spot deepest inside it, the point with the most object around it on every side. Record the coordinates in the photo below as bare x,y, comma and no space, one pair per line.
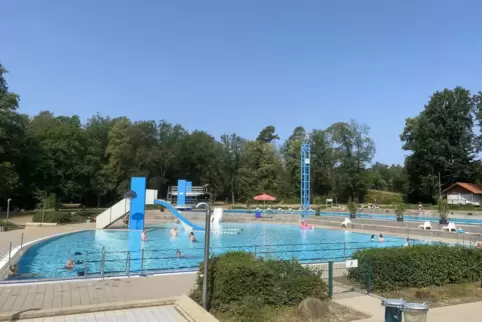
64,217
237,277
417,266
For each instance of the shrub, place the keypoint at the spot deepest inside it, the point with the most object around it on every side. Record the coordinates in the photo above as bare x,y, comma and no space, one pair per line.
400,209
351,207
7,223
235,277
53,217
443,209
417,266
382,197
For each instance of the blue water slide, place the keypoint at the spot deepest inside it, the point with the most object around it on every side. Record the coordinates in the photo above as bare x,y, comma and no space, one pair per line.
176,213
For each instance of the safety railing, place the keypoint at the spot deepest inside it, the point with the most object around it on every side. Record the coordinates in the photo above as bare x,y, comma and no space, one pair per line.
102,264
7,254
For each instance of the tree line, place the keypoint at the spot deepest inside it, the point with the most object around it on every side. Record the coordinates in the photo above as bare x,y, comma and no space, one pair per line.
49,157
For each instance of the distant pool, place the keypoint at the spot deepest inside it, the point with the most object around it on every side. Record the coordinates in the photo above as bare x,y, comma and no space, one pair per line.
414,218
46,259
461,221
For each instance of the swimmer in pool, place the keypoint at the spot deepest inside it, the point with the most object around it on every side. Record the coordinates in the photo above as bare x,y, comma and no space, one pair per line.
178,253
380,239
173,232
144,235
192,238
70,264
12,272
372,238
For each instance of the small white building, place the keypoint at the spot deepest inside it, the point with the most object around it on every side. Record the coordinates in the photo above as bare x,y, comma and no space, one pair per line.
461,193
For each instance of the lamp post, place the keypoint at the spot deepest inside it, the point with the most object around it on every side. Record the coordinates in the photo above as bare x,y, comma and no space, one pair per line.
206,252
8,206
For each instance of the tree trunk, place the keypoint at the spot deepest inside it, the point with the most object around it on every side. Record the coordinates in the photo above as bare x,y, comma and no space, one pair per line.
43,208
232,197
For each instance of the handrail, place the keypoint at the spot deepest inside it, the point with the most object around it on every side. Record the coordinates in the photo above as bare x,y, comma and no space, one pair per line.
233,247
98,267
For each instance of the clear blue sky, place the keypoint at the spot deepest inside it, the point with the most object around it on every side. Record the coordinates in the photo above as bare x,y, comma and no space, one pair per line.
237,66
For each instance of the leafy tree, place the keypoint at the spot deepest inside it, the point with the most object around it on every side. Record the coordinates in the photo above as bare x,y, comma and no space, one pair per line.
387,177
267,135
97,138
290,152
322,163
233,148
169,152
119,152
441,140
261,171
61,151
200,161
353,150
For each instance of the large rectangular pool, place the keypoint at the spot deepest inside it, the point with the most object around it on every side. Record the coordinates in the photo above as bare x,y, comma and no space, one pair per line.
124,251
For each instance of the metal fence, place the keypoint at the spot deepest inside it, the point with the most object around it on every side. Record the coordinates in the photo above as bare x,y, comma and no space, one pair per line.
329,257
101,264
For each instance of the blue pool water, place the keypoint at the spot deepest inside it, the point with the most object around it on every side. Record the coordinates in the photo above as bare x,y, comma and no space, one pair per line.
415,218
46,259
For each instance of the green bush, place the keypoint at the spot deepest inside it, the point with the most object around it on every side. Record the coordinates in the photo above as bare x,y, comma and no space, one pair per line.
382,197
56,217
417,266
239,207
351,208
7,223
235,277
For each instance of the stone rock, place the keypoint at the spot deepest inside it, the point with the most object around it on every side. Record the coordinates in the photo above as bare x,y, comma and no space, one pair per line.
313,308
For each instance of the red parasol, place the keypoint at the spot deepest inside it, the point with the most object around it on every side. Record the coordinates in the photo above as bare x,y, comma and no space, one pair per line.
264,197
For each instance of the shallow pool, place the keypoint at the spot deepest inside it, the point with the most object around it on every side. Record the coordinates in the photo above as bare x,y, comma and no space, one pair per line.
46,259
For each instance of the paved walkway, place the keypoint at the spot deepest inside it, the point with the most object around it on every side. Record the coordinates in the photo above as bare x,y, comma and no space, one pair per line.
47,295
159,313
371,306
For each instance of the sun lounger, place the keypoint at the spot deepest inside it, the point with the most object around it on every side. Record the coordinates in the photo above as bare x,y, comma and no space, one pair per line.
345,223
426,225
450,227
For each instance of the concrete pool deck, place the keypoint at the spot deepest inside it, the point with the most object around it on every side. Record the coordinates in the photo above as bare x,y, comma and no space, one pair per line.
92,292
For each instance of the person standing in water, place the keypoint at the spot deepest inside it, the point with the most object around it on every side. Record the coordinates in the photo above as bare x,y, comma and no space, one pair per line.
173,232
144,235
380,239
70,264
192,238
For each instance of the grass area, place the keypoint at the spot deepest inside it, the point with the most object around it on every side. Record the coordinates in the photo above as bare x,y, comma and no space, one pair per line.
437,296
335,313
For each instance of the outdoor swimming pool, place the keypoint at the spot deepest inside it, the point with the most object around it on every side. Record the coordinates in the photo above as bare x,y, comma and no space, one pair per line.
46,259
414,218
